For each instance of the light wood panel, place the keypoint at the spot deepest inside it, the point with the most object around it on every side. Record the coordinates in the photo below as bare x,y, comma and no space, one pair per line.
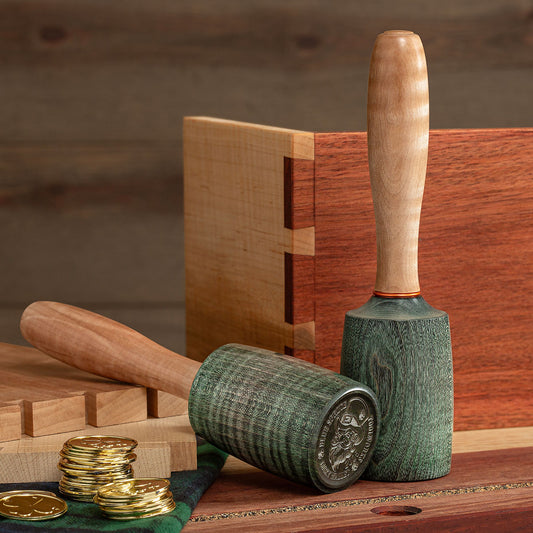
236,240
162,404
55,398
165,445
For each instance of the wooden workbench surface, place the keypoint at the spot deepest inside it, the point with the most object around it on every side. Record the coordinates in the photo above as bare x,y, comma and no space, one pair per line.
489,488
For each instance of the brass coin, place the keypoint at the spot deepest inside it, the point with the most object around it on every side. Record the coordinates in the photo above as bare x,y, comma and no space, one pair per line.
77,495
27,491
90,461
103,461
21,505
161,511
140,507
134,487
79,472
101,443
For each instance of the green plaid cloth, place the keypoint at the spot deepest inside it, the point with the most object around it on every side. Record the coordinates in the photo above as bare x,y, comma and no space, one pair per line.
187,489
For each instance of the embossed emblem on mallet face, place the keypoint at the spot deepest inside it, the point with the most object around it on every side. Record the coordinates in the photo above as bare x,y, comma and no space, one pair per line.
346,440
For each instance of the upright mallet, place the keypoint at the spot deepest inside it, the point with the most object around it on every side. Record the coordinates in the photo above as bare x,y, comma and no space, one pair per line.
279,413
396,343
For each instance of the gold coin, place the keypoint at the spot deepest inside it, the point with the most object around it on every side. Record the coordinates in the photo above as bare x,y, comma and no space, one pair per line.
101,443
97,460
27,491
27,505
118,474
134,487
90,461
135,498
139,506
164,510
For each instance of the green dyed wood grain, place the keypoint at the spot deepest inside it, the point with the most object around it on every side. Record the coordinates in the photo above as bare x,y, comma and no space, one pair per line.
401,349
285,415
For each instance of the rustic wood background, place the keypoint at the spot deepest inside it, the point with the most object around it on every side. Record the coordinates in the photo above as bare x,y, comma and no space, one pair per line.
93,94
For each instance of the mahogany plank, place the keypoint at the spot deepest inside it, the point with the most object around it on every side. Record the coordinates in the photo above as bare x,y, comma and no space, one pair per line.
345,251
265,491
493,510
476,256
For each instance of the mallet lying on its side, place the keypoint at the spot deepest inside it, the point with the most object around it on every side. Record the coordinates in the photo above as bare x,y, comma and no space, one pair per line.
275,412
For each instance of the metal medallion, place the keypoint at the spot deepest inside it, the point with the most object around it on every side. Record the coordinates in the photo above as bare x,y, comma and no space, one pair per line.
345,440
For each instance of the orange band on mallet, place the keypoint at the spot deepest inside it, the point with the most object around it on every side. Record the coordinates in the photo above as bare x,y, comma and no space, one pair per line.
396,294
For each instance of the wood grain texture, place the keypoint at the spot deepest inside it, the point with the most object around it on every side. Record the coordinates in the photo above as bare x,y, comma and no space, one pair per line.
34,378
299,283
234,226
162,404
102,346
483,487
299,193
492,511
477,203
46,414
400,348
398,131
345,237
492,439
42,411
165,445
10,421
286,416
255,33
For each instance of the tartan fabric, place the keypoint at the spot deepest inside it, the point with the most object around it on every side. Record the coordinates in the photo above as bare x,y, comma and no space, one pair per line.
187,489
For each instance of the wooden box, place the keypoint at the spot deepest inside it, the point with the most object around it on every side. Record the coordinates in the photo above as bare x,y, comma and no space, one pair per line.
279,244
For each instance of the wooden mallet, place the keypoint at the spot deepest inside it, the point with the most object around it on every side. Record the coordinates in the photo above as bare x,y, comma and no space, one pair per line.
278,413
396,343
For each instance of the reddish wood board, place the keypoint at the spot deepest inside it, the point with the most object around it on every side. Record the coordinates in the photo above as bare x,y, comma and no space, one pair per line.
476,258
485,491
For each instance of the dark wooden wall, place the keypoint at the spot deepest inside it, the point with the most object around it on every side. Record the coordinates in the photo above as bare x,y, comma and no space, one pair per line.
92,96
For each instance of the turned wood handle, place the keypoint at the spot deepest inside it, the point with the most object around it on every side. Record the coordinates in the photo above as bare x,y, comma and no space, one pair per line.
102,346
398,132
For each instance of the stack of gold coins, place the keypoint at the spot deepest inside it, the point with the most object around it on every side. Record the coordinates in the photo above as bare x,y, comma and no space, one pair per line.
89,462
31,505
136,498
